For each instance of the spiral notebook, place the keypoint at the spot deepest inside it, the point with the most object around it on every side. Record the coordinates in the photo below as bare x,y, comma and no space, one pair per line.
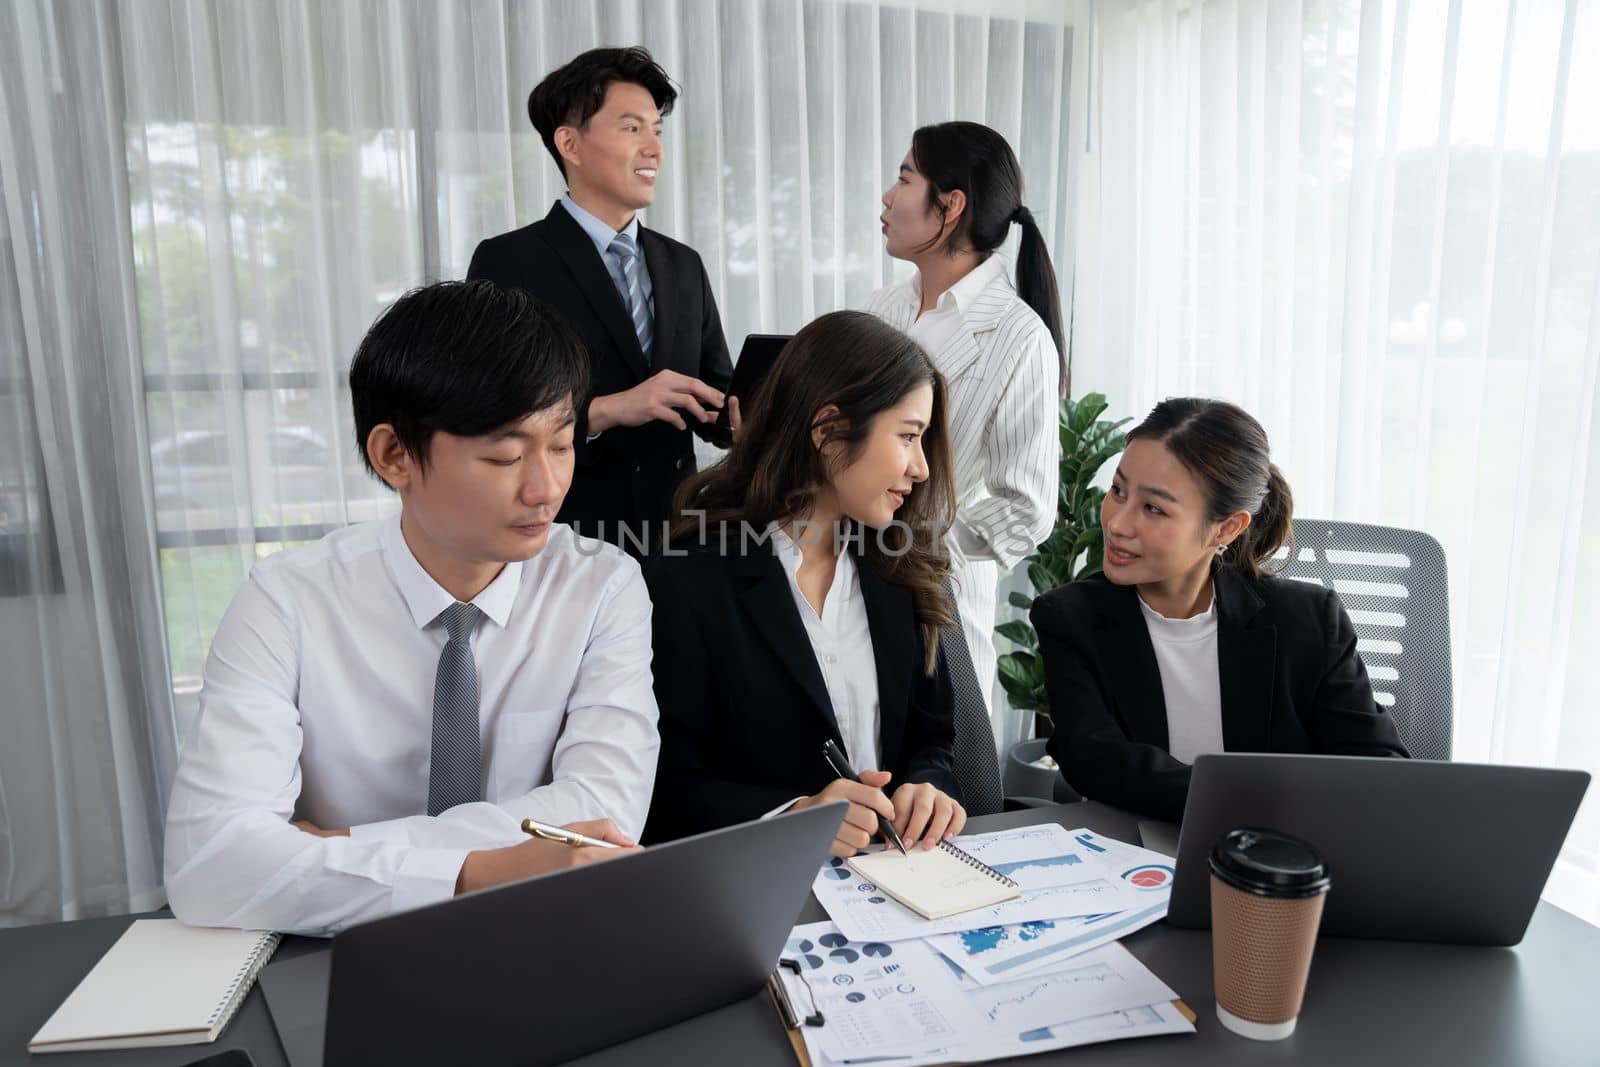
935,883
162,983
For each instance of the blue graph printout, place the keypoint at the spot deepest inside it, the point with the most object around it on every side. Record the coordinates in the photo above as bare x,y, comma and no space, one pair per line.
1035,857
994,954
1060,877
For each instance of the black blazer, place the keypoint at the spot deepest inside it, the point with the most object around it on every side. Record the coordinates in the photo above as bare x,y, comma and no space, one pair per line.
1291,682
627,474
744,712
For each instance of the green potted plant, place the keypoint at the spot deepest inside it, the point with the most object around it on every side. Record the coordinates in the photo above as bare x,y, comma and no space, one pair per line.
1073,550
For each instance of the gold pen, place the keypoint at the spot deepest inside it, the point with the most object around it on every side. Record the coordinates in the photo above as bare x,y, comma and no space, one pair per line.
562,835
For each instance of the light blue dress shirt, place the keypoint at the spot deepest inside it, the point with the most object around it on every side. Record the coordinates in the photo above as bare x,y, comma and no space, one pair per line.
602,235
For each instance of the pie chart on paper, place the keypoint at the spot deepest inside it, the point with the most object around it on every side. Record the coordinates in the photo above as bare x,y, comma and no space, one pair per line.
1150,877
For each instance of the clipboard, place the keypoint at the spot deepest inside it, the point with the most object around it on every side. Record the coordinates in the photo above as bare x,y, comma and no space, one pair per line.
787,1014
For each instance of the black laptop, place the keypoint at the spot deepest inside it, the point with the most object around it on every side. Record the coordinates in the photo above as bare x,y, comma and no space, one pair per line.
1418,850
541,971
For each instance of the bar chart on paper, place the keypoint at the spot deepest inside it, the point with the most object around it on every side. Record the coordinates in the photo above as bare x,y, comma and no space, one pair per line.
1059,878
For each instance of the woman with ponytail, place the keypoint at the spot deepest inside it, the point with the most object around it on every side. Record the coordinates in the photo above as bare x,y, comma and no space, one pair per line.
1186,644
999,345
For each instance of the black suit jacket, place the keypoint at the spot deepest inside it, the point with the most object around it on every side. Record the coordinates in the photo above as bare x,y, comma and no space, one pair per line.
627,474
1286,656
744,711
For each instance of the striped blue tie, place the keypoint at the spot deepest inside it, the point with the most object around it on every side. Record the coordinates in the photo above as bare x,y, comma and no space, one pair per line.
455,771
625,274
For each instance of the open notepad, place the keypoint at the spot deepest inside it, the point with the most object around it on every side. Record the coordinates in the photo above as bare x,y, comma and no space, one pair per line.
935,883
162,983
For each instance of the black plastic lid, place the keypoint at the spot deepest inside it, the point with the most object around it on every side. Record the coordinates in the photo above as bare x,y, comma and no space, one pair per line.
1269,864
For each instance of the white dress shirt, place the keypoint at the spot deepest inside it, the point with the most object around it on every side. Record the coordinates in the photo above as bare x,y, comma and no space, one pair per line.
1186,656
1004,377
318,705
841,640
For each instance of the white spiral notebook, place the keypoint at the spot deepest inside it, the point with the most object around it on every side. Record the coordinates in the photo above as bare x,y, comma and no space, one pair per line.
935,883
162,983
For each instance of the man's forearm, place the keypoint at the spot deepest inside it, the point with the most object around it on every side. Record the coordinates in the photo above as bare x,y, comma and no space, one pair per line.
602,414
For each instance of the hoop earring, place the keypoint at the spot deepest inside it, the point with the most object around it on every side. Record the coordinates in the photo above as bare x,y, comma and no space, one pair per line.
1222,550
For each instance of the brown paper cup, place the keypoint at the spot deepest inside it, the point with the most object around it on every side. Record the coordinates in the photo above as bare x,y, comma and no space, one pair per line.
1267,893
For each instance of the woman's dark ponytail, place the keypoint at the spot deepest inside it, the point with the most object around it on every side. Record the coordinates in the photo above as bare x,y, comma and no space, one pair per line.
1036,284
1270,529
1227,452
971,157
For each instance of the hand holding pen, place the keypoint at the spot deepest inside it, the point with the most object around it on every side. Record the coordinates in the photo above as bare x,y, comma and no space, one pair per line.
570,836
548,848
870,812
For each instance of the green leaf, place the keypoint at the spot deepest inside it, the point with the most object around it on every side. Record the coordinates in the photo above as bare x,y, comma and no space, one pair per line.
1023,698
1102,452
1076,544
1018,633
1011,667
1043,581
1093,405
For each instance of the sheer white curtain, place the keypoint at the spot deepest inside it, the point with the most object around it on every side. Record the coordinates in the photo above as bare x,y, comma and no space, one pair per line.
86,727
264,177
1376,225
295,166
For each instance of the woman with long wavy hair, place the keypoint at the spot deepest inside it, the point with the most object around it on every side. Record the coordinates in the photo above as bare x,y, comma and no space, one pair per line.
801,600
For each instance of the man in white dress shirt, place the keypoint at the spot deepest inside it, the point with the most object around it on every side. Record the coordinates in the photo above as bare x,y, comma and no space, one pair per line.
382,708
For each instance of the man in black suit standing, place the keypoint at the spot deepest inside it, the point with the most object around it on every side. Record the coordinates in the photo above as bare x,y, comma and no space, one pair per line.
640,301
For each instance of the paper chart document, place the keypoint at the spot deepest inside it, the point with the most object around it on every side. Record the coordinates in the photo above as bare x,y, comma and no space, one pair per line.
1060,877
1103,980
998,953
878,998
902,1003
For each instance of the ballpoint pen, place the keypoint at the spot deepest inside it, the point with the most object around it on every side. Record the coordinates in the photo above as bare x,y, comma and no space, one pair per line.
842,768
560,834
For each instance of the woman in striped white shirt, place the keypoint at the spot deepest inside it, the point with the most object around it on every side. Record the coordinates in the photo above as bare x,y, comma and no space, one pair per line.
998,345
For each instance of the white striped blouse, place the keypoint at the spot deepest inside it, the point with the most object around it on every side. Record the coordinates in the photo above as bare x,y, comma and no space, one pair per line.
1004,381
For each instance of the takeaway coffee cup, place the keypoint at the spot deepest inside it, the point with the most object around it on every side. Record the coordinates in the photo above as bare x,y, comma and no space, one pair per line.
1267,892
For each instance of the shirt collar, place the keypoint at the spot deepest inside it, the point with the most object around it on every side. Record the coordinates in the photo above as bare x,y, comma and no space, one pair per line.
426,598
960,296
788,553
1192,624
599,232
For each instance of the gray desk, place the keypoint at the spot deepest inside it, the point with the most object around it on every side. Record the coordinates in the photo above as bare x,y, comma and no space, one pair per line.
1369,1003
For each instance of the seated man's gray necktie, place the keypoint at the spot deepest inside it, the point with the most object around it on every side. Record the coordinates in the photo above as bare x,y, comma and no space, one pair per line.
455,772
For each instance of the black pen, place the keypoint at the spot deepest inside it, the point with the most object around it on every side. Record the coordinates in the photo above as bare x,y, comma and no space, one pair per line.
842,768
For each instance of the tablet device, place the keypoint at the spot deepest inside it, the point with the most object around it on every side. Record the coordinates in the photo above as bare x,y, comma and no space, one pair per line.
756,358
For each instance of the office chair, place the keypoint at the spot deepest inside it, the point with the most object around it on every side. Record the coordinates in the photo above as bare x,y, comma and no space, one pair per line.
1395,586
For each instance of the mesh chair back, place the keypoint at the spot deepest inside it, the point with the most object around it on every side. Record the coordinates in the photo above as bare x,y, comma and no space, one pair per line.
1395,587
976,765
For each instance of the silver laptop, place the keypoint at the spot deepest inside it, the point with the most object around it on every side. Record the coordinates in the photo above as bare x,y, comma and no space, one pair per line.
541,971
1418,850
